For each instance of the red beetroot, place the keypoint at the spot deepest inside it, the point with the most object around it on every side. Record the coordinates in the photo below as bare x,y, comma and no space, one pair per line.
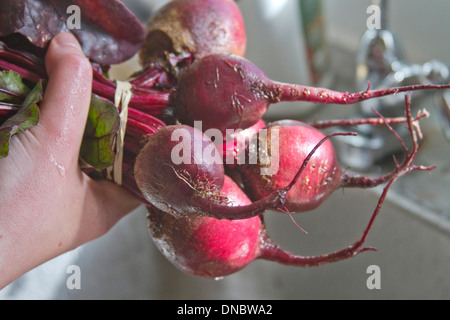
320,178
229,92
322,175
175,185
205,246
197,27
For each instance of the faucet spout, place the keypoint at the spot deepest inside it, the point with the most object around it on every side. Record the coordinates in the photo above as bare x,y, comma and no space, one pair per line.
382,64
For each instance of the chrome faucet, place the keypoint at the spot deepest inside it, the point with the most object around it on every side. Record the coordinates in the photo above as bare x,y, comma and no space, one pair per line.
382,64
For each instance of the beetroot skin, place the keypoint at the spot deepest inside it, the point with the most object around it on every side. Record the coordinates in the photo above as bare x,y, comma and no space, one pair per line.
177,187
198,27
222,91
320,178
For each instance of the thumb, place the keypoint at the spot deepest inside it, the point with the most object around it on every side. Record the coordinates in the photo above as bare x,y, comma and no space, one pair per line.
66,100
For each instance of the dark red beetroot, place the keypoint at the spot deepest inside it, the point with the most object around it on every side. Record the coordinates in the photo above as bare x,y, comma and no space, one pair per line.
229,92
198,27
172,185
205,246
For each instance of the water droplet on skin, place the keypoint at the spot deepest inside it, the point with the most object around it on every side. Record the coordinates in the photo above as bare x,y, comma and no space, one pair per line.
62,138
61,169
78,87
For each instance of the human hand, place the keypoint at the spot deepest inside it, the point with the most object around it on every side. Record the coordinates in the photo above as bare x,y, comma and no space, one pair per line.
47,204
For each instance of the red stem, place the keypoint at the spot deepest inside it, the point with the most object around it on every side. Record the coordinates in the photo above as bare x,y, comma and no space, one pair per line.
145,118
132,144
24,73
273,252
101,79
22,58
371,121
137,128
147,102
156,99
148,78
293,92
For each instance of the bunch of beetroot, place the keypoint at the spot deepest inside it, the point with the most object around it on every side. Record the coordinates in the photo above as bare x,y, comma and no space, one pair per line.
196,149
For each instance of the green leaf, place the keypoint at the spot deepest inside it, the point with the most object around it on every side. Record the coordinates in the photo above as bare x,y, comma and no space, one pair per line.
26,117
12,82
97,148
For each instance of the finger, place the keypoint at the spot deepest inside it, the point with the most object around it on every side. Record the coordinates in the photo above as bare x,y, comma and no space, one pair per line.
67,96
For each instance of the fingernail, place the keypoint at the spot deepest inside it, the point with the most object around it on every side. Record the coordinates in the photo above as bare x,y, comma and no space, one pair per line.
67,39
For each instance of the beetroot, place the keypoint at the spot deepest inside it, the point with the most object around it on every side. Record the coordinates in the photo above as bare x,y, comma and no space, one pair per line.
173,186
180,171
229,92
206,246
194,27
319,179
322,175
